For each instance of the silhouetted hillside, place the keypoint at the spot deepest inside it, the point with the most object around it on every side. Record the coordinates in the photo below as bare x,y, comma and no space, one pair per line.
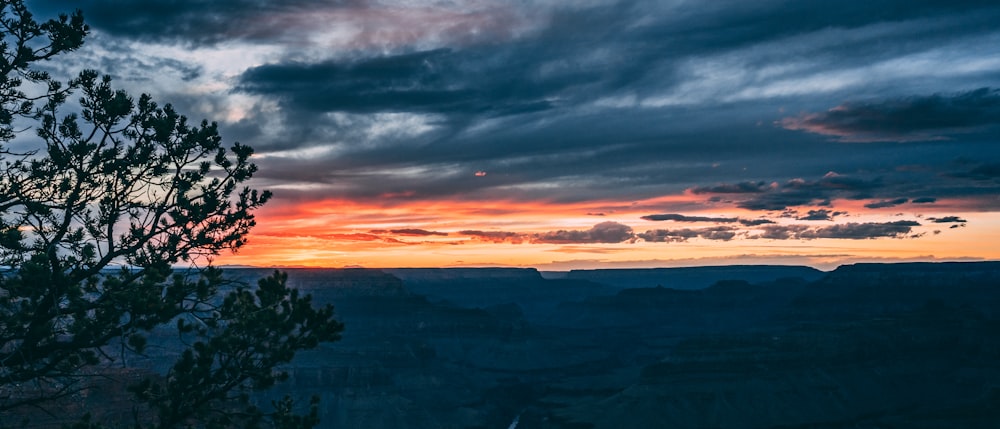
484,287
692,277
877,290
866,345
727,305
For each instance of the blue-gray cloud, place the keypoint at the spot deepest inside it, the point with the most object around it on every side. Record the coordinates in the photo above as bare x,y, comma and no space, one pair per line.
191,22
415,232
861,231
947,219
732,188
800,192
887,203
438,81
630,99
985,171
604,232
683,218
495,236
821,214
755,222
905,119
719,233
847,231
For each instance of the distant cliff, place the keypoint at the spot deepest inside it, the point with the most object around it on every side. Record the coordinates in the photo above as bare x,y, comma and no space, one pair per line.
442,274
876,290
485,287
693,277
865,345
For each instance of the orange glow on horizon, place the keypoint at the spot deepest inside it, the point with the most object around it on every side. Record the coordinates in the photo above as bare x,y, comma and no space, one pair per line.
395,233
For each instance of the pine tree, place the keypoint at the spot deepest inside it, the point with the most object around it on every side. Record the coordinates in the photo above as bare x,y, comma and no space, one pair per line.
91,225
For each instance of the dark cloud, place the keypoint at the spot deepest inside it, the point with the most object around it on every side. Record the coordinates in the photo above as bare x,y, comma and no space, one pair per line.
731,188
886,186
569,115
195,22
799,192
733,22
668,235
904,119
604,232
947,219
375,236
821,214
783,200
861,231
755,222
553,67
683,218
354,237
781,232
437,81
409,232
887,203
836,182
850,231
495,236
722,233
723,25
613,232
568,102
975,182
557,66
987,171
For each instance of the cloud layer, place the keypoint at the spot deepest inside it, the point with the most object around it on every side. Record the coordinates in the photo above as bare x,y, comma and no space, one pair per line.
705,122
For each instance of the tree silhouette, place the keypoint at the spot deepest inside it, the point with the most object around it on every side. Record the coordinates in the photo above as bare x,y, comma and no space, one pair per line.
90,226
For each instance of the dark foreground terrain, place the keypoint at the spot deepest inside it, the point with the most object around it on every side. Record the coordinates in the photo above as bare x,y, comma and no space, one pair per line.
863,346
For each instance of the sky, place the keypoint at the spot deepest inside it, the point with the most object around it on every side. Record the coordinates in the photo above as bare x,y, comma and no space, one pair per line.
585,134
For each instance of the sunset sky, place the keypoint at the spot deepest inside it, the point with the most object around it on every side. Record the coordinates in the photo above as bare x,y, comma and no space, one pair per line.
585,134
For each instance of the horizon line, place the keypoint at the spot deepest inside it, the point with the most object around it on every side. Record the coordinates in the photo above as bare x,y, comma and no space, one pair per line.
514,267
